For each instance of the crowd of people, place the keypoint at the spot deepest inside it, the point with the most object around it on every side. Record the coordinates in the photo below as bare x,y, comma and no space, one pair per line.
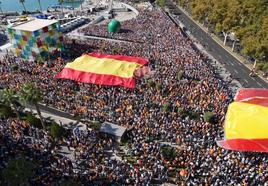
197,160
139,35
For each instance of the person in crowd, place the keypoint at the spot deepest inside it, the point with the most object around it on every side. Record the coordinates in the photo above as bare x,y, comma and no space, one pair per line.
197,160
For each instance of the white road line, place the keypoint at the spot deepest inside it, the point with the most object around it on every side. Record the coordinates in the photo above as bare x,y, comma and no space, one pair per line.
236,71
259,83
246,80
231,63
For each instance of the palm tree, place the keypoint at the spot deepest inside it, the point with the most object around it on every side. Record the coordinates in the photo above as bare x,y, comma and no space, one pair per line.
1,7
8,97
61,2
73,1
29,94
82,5
6,111
22,2
39,2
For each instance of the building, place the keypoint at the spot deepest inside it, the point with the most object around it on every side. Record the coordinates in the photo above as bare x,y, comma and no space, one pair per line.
36,38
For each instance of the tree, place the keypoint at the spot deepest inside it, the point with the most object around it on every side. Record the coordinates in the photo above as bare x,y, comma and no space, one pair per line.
56,131
8,97
18,172
158,86
32,120
1,7
217,15
248,19
73,1
82,5
29,94
201,9
209,117
61,2
161,3
22,3
39,2
168,152
150,83
68,183
166,107
6,111
182,3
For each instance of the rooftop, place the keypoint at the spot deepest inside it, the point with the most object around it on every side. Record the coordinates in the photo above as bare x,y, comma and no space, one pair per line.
112,129
34,25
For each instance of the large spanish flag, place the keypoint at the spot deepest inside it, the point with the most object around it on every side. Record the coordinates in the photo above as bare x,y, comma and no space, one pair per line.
103,69
246,122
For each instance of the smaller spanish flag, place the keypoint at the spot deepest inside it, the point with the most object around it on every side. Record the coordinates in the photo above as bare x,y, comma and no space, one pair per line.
103,69
246,122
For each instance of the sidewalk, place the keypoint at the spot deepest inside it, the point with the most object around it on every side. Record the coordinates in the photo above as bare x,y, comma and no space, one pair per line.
59,119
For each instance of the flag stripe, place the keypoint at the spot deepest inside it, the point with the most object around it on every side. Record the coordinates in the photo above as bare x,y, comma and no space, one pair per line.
141,61
248,121
256,101
249,93
258,145
101,79
107,66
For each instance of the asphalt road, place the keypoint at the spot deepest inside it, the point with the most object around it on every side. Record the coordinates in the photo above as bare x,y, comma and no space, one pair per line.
235,67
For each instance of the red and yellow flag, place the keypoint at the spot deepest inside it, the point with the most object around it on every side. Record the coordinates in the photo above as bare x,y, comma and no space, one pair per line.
103,69
246,122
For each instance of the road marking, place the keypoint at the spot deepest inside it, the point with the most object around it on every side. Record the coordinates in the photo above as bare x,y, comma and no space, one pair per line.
231,63
228,57
246,80
236,71
259,83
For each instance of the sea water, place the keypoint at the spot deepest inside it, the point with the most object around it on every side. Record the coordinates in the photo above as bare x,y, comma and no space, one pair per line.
31,5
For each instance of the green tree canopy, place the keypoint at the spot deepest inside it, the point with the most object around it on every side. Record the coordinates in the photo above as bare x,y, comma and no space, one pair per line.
18,171
29,94
8,97
248,19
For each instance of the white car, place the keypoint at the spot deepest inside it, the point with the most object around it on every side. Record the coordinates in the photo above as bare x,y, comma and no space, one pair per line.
68,16
51,17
